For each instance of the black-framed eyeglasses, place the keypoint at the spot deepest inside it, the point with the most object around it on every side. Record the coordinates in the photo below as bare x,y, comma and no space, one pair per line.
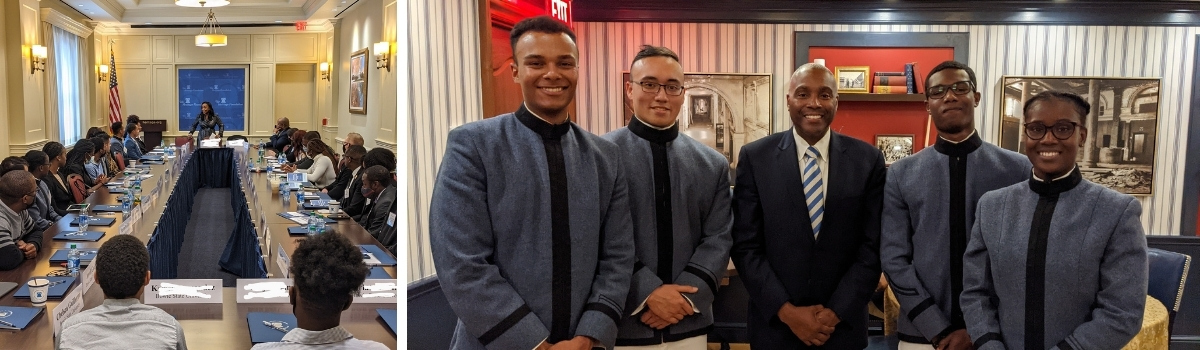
652,87
939,91
1062,130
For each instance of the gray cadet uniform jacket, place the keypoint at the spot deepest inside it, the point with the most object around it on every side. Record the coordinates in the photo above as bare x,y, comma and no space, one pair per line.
530,230
928,209
679,200
1057,265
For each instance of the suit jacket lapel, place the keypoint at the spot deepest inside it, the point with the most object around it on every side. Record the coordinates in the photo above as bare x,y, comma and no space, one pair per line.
788,167
834,188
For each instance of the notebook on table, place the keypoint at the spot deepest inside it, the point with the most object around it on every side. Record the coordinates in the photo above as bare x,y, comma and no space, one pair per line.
97,221
91,236
14,317
58,287
6,287
60,256
389,317
297,231
372,255
105,208
266,327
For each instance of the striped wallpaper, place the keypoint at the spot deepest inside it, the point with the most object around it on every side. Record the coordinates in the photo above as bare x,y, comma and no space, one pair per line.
445,91
995,51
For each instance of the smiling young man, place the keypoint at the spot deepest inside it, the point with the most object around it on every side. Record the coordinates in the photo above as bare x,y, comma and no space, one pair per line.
529,220
1058,261
929,207
679,201
806,225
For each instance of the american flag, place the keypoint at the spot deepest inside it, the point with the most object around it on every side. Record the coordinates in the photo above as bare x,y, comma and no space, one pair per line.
114,95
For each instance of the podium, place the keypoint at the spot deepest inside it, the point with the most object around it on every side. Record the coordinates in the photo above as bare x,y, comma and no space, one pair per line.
152,130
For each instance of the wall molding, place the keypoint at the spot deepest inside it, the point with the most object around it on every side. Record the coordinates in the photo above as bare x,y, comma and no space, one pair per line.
1191,169
58,19
388,145
20,149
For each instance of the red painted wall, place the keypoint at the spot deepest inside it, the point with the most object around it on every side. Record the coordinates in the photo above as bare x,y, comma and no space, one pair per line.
864,120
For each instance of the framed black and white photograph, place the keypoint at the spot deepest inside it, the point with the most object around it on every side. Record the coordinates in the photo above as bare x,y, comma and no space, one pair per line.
853,79
722,110
894,147
1122,127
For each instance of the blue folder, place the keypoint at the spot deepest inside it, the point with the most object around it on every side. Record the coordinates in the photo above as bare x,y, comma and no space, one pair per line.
60,256
384,258
97,221
261,333
316,204
58,287
91,236
105,208
116,190
18,317
388,316
377,273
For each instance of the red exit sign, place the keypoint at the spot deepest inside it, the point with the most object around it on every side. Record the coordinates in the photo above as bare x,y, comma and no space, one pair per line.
561,9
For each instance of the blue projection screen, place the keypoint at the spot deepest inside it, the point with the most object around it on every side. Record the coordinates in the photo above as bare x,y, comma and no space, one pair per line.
224,88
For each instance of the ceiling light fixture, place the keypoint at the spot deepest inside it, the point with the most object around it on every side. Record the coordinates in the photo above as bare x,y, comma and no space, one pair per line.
202,3
210,34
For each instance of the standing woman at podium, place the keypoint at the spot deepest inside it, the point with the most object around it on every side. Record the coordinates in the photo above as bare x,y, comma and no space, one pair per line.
209,122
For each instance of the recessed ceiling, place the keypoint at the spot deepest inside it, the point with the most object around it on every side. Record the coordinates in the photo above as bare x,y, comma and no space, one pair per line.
165,12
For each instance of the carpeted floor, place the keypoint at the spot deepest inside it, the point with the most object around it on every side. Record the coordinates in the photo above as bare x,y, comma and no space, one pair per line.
207,231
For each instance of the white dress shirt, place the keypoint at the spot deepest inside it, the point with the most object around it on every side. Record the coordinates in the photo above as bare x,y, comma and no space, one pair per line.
822,147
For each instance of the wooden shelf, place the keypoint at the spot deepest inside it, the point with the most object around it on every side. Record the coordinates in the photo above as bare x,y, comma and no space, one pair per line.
882,97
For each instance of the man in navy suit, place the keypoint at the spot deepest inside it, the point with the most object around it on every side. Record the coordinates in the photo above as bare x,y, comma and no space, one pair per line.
807,206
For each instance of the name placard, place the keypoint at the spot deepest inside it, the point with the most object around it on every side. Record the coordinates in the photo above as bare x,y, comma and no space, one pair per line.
235,143
127,225
210,143
263,290
377,291
282,261
71,304
183,291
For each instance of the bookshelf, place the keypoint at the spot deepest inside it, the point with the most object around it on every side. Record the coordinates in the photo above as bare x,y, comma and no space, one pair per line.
882,97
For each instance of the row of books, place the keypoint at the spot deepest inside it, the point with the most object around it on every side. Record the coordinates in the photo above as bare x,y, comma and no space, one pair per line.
896,82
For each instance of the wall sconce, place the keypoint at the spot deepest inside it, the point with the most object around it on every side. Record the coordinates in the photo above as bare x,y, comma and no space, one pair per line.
324,69
37,59
102,72
383,55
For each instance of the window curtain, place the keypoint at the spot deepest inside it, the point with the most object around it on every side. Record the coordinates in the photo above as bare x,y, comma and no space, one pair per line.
66,84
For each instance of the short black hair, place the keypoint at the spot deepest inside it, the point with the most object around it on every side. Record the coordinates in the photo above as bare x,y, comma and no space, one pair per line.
380,156
121,265
1081,106
98,144
378,174
12,163
311,135
129,128
36,158
356,151
92,131
134,119
117,128
53,149
16,184
653,51
952,65
540,24
327,271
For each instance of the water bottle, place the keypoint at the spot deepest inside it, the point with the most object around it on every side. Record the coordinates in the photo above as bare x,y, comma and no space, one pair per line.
320,223
73,260
126,202
284,191
299,196
312,224
82,222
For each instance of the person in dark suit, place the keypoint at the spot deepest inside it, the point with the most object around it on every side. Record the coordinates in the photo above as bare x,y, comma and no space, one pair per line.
352,165
380,216
807,206
355,207
282,136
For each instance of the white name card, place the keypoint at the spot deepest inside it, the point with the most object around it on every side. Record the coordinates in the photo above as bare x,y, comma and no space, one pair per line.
70,305
183,291
127,226
263,290
282,261
210,143
234,143
377,291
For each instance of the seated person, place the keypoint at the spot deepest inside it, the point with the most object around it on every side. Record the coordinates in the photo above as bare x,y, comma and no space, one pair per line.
323,172
42,213
133,149
18,240
93,131
327,270
77,160
134,119
121,321
95,164
357,202
351,165
282,136
353,139
13,163
117,142
60,195
380,216
105,156
303,160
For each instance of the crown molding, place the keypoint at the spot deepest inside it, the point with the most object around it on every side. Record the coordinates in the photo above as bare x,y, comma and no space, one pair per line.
58,19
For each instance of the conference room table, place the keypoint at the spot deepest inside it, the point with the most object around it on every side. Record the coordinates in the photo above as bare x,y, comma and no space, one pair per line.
205,326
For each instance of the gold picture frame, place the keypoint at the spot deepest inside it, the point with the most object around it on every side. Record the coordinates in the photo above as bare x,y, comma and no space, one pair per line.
358,81
853,79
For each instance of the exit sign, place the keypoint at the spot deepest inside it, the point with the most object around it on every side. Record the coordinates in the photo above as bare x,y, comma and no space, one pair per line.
300,25
561,10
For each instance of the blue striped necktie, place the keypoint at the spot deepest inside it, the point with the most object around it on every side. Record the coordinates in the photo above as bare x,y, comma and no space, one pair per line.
814,188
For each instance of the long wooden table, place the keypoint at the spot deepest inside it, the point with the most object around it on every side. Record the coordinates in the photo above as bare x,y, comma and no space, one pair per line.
205,326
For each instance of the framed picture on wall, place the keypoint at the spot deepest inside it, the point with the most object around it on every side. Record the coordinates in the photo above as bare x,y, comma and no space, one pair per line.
358,81
722,110
853,79
894,147
1122,125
